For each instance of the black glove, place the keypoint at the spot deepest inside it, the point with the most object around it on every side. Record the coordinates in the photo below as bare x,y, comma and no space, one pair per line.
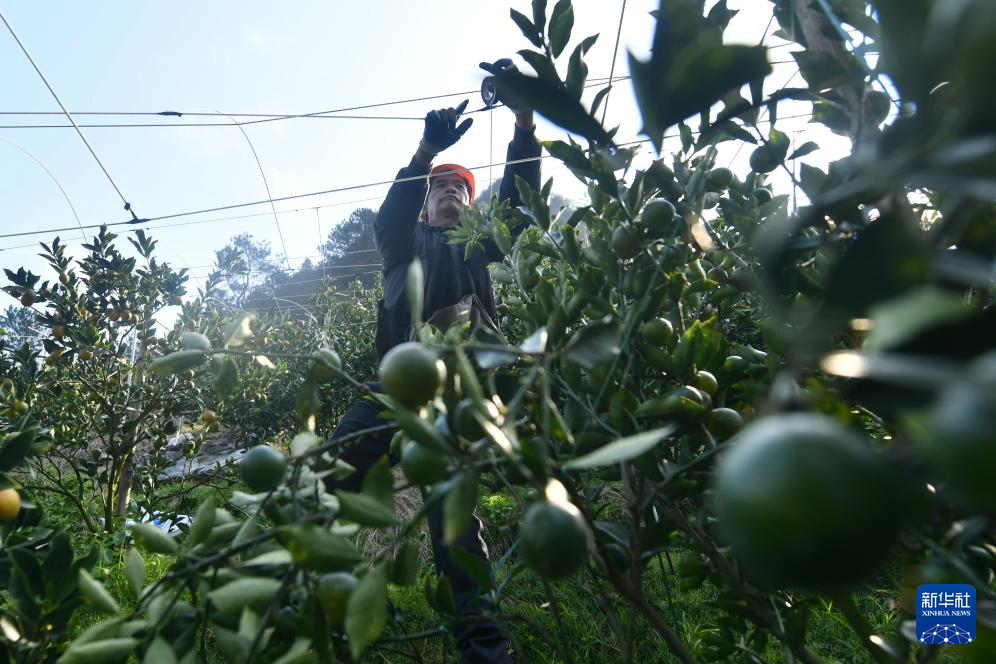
442,130
495,68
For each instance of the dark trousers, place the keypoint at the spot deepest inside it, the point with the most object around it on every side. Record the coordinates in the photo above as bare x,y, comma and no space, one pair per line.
480,640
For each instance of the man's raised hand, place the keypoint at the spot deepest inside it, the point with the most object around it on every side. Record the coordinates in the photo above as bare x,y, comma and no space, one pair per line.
441,128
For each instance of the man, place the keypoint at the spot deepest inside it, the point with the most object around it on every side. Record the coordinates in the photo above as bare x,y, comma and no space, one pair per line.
411,224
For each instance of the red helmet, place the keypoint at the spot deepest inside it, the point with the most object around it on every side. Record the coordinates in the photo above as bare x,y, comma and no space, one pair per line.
461,172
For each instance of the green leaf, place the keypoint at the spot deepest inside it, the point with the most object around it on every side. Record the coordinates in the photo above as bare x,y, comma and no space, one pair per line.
366,610
203,521
93,591
885,259
315,548
298,653
239,330
529,31
308,402
195,341
561,23
232,597
476,568
159,652
14,448
554,103
230,644
247,529
274,558
108,650
469,383
572,156
778,144
153,539
539,15
804,149
811,180
178,361
459,505
577,70
135,571
682,80
421,431
599,98
687,140
59,558
444,600
405,571
596,344
502,236
226,377
623,449
542,65
364,510
378,483
896,321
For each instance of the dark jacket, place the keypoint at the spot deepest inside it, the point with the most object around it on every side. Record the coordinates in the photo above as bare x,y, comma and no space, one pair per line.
400,238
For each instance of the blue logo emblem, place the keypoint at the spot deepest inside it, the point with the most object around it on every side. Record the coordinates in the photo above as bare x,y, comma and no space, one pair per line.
945,613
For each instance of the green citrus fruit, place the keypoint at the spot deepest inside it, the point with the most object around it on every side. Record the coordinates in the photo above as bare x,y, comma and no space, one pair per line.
724,422
734,363
10,505
762,195
262,468
805,502
28,297
762,161
333,593
465,421
625,242
720,178
657,217
421,465
657,331
962,438
682,402
412,374
706,382
553,539
322,363
718,275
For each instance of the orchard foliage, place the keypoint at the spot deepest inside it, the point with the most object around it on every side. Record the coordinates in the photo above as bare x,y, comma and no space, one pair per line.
792,401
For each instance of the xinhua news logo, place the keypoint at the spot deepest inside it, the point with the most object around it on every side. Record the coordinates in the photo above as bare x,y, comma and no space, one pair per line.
945,613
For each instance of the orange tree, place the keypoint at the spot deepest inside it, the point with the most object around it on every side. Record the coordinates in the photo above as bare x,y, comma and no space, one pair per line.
795,399
98,326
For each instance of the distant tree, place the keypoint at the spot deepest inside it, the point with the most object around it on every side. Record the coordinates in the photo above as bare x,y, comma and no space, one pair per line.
19,325
350,250
244,271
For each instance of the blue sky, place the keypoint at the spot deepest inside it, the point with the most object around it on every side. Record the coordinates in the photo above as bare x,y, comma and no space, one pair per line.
264,57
